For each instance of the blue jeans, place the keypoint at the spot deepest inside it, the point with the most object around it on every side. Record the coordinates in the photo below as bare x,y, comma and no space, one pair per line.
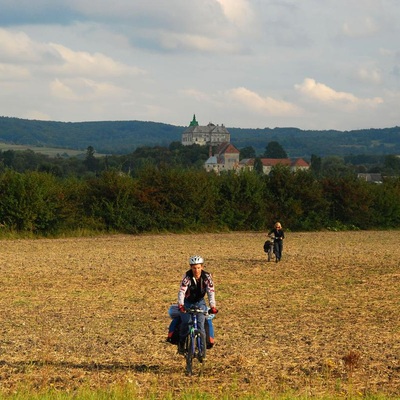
278,247
186,318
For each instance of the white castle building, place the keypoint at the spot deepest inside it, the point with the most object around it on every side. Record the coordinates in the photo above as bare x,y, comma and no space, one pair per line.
210,135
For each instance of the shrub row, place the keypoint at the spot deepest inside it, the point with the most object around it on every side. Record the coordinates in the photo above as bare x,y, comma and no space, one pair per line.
178,200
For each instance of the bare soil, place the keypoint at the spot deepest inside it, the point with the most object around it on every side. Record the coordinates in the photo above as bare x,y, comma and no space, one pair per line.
92,312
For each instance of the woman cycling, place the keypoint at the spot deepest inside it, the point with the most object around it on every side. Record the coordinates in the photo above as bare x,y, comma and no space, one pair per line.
278,240
196,283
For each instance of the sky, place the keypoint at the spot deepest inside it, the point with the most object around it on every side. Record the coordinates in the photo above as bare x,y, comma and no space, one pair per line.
309,64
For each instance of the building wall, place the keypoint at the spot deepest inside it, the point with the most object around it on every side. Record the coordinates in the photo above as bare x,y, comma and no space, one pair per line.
205,135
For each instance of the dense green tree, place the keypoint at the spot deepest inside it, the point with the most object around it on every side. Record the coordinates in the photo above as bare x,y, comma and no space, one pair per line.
351,200
179,199
112,200
75,207
385,212
91,162
316,165
335,167
8,158
283,207
296,198
258,166
274,150
392,165
176,146
313,211
29,202
241,200
247,152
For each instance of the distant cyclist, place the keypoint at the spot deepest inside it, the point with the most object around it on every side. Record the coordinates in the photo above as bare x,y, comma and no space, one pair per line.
278,242
196,283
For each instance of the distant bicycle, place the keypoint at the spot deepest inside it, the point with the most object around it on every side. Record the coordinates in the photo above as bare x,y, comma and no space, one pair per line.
269,248
195,343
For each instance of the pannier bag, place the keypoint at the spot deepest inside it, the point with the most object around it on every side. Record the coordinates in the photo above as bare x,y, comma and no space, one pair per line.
267,246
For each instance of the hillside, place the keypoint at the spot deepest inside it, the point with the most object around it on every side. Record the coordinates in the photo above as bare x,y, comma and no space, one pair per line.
300,143
122,137
116,137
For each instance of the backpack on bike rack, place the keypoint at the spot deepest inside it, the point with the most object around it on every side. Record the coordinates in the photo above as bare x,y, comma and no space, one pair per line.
173,331
267,245
209,328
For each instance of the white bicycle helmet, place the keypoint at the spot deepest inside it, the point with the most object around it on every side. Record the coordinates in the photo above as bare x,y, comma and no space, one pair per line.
196,260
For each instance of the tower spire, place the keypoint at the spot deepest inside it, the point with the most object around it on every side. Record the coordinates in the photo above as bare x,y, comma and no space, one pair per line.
194,122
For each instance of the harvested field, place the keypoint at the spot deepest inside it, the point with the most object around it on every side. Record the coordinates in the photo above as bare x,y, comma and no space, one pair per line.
92,312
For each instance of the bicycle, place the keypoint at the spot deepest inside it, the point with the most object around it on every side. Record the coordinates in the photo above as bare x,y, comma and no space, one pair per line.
195,342
269,248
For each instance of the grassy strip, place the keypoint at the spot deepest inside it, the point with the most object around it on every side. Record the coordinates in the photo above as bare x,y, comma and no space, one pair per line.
124,392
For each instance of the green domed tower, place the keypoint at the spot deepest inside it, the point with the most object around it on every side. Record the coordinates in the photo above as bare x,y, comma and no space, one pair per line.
194,122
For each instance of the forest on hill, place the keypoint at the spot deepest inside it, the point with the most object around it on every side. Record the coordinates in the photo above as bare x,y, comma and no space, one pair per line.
123,137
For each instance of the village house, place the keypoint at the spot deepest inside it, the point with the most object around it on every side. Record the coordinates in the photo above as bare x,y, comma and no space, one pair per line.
372,178
269,163
226,158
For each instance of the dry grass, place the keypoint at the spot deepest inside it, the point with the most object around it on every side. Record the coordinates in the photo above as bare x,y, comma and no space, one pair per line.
92,313
49,151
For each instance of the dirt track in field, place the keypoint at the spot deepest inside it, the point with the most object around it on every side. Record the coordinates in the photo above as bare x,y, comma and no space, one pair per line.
93,312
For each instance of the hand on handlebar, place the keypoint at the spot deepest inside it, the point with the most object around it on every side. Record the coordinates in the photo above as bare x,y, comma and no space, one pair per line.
181,308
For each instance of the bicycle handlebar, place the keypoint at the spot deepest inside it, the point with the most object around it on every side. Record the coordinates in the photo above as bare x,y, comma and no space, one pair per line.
195,310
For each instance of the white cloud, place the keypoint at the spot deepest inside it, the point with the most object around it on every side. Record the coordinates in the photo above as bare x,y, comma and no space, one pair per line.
239,12
324,94
163,61
56,58
62,90
254,102
388,52
370,75
83,90
10,72
18,47
195,43
85,63
195,95
360,27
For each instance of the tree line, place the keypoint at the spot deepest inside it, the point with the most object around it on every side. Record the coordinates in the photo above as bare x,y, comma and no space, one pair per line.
176,199
177,155
166,189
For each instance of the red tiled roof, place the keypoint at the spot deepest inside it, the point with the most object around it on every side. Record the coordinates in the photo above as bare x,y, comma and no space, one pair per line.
271,162
300,163
227,148
247,161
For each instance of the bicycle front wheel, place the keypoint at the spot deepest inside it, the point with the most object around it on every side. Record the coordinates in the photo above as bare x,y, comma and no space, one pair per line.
189,354
201,345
